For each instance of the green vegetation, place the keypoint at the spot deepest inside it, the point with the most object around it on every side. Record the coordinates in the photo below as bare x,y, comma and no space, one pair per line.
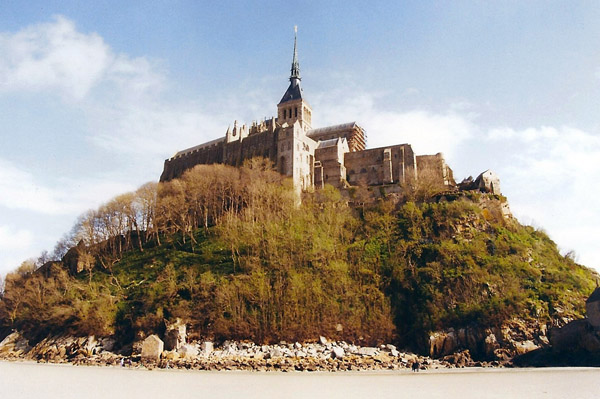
231,252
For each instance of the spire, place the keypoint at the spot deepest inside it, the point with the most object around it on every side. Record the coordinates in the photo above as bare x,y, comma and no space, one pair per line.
294,91
295,72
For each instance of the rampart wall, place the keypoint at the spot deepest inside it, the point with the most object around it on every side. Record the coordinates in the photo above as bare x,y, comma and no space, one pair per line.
368,167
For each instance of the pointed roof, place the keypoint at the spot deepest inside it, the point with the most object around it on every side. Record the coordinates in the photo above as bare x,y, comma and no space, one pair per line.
294,90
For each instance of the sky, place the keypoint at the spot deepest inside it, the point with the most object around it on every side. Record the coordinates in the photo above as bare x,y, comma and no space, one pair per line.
94,96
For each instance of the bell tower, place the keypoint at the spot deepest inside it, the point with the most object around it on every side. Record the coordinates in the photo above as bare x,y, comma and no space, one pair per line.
292,106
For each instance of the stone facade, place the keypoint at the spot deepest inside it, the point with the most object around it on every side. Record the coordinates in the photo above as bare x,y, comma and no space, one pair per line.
489,182
335,155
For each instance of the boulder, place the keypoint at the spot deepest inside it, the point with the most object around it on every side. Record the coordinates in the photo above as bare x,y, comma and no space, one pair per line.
490,344
569,336
207,347
442,343
188,350
337,353
368,351
152,348
175,335
14,344
275,352
525,346
323,340
459,359
592,309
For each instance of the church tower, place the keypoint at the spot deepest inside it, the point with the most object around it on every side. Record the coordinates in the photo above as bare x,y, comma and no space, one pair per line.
292,106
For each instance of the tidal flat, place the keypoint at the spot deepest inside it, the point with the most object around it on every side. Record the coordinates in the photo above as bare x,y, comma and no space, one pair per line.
33,380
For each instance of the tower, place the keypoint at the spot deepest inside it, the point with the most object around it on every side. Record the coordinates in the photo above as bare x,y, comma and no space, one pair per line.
292,106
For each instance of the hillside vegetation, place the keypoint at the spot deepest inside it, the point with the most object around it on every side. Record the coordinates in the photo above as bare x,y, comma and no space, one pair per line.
230,251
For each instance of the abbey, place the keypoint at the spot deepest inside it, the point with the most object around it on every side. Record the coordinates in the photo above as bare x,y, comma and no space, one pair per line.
312,157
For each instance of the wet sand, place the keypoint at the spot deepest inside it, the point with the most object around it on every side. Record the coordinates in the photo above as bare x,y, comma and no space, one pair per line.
32,380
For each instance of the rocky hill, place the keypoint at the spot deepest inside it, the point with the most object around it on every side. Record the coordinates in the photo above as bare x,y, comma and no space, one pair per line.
231,253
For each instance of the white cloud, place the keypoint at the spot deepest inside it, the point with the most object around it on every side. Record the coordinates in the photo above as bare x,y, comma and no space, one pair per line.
549,175
22,191
16,245
426,131
54,56
15,239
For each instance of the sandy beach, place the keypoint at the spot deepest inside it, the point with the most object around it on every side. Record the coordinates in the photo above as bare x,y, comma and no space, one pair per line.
32,380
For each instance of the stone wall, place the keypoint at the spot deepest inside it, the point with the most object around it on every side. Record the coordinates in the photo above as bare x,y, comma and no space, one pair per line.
367,167
435,167
176,166
262,144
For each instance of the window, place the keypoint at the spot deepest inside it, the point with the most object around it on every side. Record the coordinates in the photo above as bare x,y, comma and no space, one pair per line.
296,112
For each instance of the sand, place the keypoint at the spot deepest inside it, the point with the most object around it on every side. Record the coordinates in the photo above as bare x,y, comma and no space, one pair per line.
32,380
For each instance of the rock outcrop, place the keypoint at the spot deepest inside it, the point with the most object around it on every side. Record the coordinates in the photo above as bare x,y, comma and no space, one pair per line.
513,338
231,355
152,348
175,335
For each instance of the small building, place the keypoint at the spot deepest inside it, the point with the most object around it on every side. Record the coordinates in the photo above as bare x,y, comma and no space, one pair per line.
488,182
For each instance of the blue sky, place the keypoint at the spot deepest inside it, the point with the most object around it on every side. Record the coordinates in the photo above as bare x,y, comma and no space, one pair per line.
95,95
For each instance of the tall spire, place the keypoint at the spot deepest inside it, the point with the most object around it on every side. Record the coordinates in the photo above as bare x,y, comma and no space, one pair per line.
295,72
294,91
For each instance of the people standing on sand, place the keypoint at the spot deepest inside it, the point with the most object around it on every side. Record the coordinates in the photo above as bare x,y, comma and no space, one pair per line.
416,366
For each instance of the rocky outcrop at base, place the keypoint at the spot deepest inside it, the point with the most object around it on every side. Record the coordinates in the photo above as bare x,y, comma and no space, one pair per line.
577,343
231,355
514,338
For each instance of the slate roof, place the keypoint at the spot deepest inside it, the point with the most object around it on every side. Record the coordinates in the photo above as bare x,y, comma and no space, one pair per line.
328,143
294,92
330,129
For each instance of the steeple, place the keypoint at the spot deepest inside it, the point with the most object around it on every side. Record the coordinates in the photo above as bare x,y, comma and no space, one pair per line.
292,106
294,91
295,73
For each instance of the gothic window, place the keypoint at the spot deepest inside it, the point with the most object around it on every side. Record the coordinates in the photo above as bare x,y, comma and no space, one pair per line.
363,170
296,112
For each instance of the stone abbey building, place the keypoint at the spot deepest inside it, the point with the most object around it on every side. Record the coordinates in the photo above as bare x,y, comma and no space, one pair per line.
312,157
